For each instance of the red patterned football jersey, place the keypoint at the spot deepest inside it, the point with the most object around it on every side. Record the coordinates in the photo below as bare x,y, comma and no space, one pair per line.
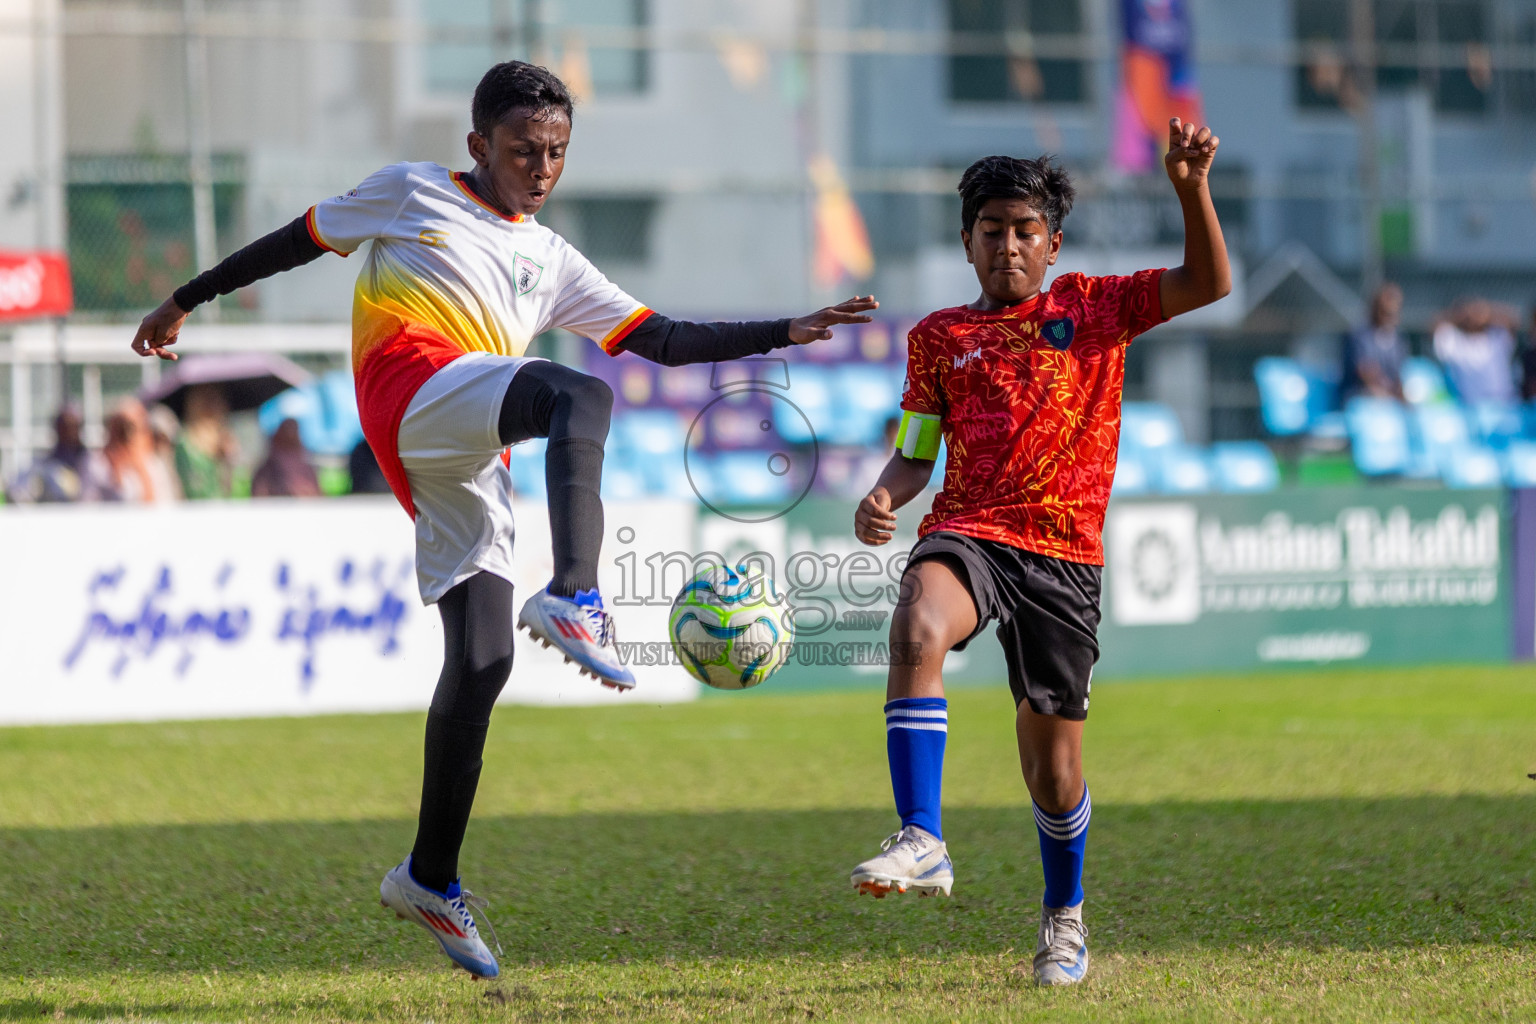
1029,402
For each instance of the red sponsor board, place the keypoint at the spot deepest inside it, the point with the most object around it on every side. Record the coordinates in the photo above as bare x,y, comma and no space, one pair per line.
33,285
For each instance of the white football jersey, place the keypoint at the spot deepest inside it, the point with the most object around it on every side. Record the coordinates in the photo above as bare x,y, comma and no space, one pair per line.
444,260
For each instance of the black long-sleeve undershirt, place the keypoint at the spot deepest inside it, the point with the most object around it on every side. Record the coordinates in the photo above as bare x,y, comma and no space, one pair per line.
288,247
677,342
657,338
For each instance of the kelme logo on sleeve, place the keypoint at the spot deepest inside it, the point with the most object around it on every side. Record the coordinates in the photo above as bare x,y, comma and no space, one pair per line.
525,273
1058,332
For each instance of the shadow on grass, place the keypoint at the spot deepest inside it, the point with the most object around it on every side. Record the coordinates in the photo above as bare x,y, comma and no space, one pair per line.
612,887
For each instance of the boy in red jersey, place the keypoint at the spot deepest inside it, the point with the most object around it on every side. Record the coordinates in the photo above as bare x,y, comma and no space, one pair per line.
1024,386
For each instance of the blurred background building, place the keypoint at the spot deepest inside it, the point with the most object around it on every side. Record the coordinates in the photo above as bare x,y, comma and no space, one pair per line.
739,158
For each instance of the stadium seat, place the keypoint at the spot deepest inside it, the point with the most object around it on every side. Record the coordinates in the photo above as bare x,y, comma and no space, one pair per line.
743,478
1183,469
1148,426
864,400
1132,477
1283,391
810,391
1472,466
1520,463
1423,381
621,481
648,432
1378,435
1244,467
1439,433
1496,424
667,476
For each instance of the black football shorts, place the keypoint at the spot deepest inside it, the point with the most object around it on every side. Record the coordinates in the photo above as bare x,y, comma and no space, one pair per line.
1047,614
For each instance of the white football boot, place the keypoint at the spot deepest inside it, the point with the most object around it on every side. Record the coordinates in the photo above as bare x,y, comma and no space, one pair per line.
1061,950
913,859
445,915
580,629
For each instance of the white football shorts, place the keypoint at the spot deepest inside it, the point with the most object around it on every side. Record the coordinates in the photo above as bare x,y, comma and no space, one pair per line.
451,450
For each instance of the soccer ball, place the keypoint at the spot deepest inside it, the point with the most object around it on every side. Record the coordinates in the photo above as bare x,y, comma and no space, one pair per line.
730,628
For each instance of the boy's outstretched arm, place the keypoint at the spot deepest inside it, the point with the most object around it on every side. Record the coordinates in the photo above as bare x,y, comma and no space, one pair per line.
1206,275
679,342
289,246
900,481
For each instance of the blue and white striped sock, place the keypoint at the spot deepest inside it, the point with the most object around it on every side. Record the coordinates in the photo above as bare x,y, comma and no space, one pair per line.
1063,840
915,731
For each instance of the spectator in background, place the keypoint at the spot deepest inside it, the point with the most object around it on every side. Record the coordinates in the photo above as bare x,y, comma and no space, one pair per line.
69,472
205,449
1374,352
1528,361
286,473
134,471
163,429
1475,343
363,466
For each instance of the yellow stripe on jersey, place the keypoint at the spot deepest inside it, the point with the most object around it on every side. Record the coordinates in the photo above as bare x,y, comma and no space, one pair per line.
619,333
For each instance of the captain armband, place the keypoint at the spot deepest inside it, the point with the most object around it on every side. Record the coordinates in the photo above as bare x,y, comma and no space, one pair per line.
918,436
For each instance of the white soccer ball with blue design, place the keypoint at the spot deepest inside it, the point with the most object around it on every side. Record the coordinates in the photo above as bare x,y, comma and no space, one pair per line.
730,627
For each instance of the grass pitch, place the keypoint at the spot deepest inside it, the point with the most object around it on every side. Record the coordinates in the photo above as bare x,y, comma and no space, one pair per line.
1345,846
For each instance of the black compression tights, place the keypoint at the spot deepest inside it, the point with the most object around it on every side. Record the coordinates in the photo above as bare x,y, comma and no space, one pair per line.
477,658
571,409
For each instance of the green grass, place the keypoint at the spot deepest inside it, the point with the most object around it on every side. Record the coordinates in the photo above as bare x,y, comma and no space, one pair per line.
1342,846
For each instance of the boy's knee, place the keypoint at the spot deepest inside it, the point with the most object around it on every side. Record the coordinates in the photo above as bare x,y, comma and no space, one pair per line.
590,403
922,626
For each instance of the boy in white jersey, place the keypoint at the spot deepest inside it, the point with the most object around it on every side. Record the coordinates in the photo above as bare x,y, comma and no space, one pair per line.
458,280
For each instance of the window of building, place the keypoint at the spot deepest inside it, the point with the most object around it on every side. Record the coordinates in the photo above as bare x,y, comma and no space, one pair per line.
1012,51
1412,39
596,46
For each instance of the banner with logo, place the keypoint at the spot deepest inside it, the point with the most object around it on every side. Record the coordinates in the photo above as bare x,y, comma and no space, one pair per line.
1305,577
265,607
34,285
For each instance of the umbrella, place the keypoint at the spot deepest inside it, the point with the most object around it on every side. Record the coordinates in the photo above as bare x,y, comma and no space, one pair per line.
247,379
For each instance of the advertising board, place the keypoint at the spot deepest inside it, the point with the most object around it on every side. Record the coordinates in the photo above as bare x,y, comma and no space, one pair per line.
265,607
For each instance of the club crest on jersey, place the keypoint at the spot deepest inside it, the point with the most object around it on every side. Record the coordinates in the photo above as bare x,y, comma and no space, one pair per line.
525,273
1058,332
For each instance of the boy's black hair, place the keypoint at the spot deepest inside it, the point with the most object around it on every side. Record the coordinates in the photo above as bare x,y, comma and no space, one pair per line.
1041,181
516,85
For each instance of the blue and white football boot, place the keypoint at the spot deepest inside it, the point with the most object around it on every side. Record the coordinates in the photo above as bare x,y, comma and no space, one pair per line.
913,859
1061,950
445,914
580,629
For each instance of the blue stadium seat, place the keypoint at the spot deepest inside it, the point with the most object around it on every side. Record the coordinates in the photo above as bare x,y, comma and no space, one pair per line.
1423,381
1439,433
1244,467
525,464
1378,435
1284,388
667,476
1183,469
1496,424
865,399
1132,477
1520,464
744,478
1472,466
1148,426
622,481
810,391
648,432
